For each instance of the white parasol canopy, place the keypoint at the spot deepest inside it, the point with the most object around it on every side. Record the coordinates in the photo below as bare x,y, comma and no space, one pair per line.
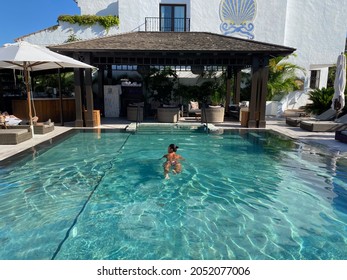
338,101
28,57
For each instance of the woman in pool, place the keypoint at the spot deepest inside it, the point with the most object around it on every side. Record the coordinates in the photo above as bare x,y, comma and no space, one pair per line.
172,160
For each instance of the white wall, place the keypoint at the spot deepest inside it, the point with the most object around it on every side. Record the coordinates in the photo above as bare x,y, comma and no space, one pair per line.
98,7
317,29
61,34
132,15
270,21
205,16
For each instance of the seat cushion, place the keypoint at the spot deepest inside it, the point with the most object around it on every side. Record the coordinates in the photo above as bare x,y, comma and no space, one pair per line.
194,105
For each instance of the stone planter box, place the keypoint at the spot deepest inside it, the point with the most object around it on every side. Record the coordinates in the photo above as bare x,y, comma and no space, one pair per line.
132,113
168,115
212,114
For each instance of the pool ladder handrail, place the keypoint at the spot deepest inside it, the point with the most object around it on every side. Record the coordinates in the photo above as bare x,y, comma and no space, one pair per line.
137,117
203,113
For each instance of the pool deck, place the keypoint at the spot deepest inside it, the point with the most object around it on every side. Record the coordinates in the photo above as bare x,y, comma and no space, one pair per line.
322,140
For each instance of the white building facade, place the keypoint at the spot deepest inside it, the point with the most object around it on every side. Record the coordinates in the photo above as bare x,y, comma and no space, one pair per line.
317,29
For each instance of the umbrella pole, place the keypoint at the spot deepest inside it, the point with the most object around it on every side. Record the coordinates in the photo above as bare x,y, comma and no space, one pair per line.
26,78
60,99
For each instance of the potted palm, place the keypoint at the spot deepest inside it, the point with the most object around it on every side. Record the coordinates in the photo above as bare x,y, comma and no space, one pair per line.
161,84
214,112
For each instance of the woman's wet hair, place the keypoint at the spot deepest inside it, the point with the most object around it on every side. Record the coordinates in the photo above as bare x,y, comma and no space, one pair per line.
173,147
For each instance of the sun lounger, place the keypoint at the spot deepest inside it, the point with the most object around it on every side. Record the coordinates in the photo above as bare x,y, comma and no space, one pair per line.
325,116
14,136
39,128
43,128
325,126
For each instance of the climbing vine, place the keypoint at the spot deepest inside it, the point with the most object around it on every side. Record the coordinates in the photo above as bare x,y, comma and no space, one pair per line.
106,21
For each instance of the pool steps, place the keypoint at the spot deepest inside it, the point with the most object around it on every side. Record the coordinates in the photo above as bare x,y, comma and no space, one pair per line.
169,127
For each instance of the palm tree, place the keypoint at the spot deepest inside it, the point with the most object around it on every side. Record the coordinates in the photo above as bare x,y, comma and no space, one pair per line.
161,83
282,77
321,100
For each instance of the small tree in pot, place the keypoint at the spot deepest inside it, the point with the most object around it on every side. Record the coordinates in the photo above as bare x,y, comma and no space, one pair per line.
214,93
161,84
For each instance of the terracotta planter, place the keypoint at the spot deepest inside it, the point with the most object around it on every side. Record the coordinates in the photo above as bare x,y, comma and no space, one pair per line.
168,115
132,113
213,114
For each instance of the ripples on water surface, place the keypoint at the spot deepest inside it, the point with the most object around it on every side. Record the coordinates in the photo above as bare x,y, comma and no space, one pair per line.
240,196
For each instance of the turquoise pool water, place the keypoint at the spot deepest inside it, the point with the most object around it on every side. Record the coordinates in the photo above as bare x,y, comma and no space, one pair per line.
241,195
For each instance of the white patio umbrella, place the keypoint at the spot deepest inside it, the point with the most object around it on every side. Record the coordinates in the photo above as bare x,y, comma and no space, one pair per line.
28,57
338,101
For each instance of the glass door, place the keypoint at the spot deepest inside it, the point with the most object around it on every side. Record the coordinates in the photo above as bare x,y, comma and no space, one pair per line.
172,18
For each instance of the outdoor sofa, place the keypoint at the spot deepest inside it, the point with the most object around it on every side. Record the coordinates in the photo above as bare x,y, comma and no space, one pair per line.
327,115
325,126
194,109
14,136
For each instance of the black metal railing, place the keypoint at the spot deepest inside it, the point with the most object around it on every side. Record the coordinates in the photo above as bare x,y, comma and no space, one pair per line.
167,24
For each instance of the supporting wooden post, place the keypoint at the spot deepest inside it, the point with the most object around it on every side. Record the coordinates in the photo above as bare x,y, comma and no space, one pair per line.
252,121
109,74
101,79
260,72
264,75
78,97
228,89
90,121
89,98
60,99
237,86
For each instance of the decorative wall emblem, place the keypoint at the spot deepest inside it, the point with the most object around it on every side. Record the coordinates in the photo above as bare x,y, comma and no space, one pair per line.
237,17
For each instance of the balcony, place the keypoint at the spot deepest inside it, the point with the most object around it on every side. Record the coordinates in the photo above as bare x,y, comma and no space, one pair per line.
167,24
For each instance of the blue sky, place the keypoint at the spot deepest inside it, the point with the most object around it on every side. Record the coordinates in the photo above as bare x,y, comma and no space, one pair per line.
21,17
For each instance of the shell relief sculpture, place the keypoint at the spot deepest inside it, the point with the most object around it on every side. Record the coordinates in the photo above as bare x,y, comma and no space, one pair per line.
237,17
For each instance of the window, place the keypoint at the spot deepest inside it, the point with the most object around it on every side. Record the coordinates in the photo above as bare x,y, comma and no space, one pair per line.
315,77
172,18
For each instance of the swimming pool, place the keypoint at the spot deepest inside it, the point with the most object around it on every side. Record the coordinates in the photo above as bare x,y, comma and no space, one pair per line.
242,195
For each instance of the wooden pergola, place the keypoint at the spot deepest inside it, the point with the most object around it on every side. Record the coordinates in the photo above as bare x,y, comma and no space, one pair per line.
180,49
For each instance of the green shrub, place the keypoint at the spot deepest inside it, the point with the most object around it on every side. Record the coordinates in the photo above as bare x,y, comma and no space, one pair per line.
321,100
